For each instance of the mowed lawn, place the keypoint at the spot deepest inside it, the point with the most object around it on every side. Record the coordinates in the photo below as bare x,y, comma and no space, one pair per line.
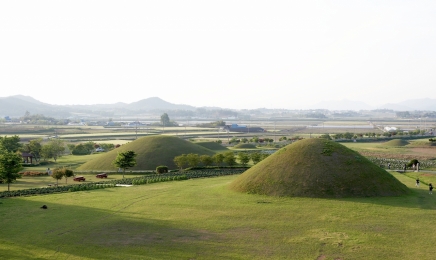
202,219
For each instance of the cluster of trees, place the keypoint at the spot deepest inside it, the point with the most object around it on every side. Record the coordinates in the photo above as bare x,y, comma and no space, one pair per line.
254,139
39,119
60,173
89,147
227,158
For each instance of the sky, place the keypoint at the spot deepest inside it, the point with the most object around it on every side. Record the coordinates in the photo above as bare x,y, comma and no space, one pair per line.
229,54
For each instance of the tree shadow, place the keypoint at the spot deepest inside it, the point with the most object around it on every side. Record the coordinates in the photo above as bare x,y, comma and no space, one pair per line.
71,231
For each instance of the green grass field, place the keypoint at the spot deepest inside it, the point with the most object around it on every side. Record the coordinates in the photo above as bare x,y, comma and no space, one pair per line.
203,219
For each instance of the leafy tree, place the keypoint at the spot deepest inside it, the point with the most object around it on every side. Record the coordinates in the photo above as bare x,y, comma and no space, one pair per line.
89,146
193,159
234,140
80,149
35,148
165,119
53,149
57,174
256,157
10,165
107,147
11,144
283,138
326,136
243,158
181,161
125,160
348,135
265,155
229,158
254,139
206,160
218,158
244,140
71,147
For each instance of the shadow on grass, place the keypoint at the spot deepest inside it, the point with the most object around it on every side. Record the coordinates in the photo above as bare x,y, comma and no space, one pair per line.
86,232
417,197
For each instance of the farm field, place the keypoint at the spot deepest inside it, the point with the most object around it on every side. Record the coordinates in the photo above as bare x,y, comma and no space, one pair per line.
171,221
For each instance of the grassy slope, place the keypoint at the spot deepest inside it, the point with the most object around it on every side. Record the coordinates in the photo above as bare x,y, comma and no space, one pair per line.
245,146
169,221
318,168
396,142
152,151
214,146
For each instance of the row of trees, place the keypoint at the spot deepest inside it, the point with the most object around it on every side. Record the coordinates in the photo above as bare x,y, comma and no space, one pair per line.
227,158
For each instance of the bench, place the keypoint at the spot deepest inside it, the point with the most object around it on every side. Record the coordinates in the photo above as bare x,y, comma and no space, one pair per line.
101,175
79,178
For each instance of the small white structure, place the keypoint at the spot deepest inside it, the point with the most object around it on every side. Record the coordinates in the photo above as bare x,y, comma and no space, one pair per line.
390,129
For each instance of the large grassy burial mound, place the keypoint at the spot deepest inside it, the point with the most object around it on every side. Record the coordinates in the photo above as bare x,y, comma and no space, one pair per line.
396,142
151,151
318,168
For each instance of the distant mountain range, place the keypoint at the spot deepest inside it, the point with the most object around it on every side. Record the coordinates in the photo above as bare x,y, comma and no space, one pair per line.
424,104
16,106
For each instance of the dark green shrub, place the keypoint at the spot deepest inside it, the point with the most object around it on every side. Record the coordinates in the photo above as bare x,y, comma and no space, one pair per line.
161,169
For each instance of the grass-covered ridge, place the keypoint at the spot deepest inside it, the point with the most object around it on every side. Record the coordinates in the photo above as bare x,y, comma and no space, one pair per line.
396,142
151,151
245,146
214,146
318,168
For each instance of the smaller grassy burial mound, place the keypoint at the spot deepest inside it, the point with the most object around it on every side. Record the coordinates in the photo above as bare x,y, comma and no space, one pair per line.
152,151
396,142
245,146
318,168
214,146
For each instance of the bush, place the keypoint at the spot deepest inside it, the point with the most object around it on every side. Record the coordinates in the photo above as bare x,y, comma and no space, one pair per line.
161,169
33,173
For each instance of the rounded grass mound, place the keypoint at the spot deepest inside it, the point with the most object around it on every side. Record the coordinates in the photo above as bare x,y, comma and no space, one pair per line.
152,151
396,142
318,168
245,146
214,146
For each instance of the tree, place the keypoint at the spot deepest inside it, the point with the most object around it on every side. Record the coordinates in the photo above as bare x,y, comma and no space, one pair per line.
206,160
71,147
125,160
165,119
181,161
326,136
10,165
35,148
53,149
11,144
229,158
68,173
218,158
244,158
58,174
256,157
193,159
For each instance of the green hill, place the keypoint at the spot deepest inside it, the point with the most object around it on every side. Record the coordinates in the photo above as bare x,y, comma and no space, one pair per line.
245,146
151,151
396,142
318,168
214,146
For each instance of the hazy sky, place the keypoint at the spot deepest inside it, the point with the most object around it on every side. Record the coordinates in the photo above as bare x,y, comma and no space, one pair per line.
233,54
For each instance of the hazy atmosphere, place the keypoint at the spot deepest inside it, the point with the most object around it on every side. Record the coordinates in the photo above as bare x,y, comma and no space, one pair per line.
233,54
